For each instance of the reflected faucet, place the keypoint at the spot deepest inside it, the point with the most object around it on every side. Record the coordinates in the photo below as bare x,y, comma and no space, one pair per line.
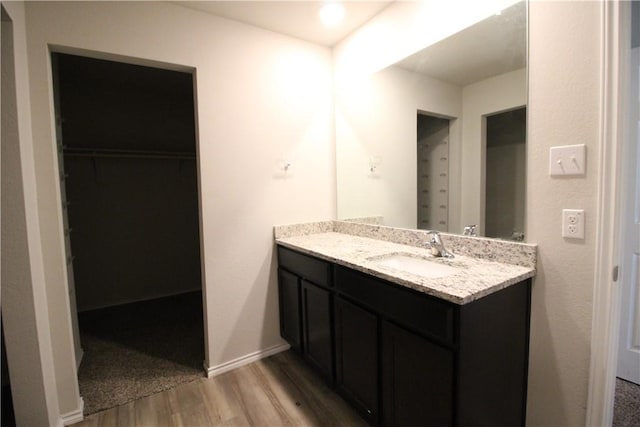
517,236
470,230
437,247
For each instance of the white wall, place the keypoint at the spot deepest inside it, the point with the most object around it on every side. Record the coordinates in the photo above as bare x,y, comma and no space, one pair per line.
377,117
24,303
564,101
493,95
260,97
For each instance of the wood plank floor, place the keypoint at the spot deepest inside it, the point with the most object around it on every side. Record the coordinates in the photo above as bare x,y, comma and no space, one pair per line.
278,391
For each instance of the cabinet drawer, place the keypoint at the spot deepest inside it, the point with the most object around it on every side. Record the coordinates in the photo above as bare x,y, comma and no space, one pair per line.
312,269
421,313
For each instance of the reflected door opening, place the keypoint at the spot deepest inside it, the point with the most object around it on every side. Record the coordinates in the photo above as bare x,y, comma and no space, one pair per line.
433,173
505,167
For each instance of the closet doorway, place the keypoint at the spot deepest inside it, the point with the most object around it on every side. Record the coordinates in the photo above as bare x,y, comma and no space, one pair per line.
129,183
505,174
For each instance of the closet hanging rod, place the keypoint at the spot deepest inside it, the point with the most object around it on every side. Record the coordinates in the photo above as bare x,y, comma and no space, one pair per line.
132,156
101,152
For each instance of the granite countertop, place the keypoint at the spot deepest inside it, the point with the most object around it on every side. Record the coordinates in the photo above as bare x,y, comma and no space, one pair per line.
474,279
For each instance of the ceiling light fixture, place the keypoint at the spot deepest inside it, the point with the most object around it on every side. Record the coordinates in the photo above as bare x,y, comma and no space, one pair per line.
331,13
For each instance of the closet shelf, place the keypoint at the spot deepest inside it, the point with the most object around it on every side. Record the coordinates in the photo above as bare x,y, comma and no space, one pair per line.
133,154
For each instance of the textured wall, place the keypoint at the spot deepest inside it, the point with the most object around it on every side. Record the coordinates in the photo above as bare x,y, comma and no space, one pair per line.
564,89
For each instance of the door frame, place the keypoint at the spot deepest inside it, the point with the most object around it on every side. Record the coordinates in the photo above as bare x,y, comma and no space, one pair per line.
615,48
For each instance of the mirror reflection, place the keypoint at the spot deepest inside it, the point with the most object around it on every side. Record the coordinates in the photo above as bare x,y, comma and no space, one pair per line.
438,140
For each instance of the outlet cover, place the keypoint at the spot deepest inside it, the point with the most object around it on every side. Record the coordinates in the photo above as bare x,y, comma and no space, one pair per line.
573,223
567,160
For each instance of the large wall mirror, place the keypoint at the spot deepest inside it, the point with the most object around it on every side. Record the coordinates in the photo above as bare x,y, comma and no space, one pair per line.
438,140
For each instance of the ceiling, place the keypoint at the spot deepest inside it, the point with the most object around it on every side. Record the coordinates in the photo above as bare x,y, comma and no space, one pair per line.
294,18
491,47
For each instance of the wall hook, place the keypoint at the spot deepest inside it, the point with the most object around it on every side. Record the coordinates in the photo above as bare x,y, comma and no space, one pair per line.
284,168
374,163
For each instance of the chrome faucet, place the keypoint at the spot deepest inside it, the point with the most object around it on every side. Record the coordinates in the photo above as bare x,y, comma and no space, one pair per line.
437,247
470,230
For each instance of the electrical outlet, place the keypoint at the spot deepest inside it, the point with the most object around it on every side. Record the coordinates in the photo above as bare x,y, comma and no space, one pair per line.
573,223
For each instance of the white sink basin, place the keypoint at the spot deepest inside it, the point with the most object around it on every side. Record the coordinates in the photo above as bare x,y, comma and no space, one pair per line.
424,267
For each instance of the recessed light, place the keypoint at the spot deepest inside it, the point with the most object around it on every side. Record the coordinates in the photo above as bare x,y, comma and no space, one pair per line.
331,13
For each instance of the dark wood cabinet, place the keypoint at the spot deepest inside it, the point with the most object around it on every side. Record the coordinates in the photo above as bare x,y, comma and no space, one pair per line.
429,316
357,359
306,308
317,346
417,380
290,314
493,354
404,358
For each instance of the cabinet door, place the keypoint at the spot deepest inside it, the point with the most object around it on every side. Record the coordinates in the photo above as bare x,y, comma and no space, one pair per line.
317,337
417,380
289,298
357,357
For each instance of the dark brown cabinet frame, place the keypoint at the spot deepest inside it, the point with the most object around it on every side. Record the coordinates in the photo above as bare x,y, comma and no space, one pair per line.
433,362
357,350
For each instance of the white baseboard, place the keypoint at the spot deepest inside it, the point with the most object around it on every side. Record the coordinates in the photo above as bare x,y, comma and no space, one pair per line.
74,416
244,360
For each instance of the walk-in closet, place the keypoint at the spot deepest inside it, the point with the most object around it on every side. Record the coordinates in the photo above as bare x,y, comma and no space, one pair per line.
129,183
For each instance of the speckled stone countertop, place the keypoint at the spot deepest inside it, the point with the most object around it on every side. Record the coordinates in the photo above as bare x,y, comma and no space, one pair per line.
474,279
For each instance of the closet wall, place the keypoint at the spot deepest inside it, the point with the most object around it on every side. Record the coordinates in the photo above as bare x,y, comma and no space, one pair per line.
128,135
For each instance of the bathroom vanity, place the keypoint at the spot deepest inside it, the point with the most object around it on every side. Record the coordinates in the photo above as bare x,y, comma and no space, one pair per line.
404,348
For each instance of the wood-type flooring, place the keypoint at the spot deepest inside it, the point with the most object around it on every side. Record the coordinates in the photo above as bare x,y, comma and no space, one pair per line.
277,391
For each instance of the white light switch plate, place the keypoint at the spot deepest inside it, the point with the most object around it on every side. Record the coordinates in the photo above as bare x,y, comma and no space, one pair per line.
567,160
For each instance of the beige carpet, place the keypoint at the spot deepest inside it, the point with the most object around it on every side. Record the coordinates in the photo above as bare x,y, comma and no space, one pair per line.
135,350
626,411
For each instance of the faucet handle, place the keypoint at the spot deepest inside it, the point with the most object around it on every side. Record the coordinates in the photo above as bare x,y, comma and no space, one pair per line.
470,230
